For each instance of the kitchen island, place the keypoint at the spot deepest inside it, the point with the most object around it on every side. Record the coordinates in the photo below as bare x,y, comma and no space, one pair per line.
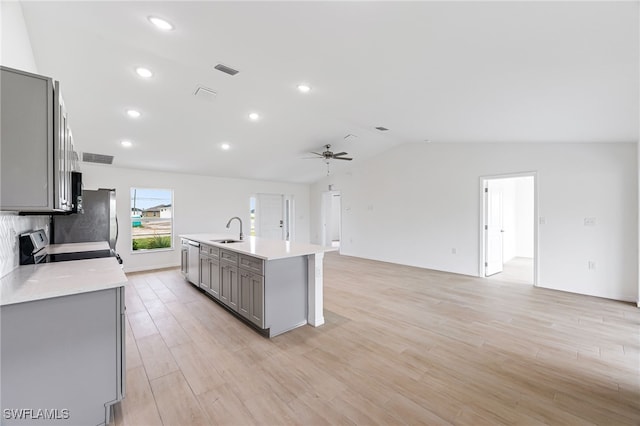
274,285
62,342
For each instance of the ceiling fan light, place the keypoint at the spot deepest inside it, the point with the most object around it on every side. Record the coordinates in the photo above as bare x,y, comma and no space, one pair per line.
161,23
133,113
144,72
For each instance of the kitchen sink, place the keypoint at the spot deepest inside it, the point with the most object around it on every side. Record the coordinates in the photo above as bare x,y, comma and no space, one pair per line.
226,241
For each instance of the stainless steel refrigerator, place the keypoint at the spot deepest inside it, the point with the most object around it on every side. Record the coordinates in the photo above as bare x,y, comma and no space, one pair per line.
98,221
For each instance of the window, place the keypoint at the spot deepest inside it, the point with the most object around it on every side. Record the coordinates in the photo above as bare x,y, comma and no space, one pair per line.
151,219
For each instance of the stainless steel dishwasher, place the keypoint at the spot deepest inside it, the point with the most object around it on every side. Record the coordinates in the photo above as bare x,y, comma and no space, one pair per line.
193,271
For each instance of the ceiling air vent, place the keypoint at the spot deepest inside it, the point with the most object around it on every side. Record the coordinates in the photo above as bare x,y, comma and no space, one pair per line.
88,157
205,93
225,69
382,129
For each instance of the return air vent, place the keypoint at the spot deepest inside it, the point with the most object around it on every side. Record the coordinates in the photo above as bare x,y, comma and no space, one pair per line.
225,69
205,94
88,157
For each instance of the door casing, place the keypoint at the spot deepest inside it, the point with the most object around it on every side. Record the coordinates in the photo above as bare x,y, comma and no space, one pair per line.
483,220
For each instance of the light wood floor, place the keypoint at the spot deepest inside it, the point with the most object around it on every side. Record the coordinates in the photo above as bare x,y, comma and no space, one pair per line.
400,345
516,270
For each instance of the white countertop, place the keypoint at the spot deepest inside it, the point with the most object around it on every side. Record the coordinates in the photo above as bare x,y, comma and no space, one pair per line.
260,247
77,247
47,280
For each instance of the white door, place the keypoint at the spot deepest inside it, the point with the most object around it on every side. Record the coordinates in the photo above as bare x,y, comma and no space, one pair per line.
269,216
493,229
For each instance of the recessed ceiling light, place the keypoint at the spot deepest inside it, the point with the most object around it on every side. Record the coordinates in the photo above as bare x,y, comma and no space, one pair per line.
161,23
126,144
304,88
133,113
225,146
254,116
144,72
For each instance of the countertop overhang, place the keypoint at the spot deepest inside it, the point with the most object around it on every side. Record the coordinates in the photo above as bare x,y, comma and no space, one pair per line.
47,280
259,247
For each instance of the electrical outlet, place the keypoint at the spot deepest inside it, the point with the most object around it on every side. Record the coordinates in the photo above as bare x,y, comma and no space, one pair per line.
589,221
542,220
454,251
592,265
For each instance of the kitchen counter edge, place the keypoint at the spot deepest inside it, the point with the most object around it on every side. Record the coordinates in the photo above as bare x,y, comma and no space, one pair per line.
259,247
28,283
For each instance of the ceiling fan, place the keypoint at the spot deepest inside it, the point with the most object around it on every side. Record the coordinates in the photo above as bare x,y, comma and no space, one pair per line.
328,155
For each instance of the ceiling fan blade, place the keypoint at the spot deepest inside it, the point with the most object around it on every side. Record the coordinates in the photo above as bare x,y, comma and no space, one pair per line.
317,153
340,153
343,158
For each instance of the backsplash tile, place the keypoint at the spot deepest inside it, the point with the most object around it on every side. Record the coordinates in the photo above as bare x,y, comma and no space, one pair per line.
11,226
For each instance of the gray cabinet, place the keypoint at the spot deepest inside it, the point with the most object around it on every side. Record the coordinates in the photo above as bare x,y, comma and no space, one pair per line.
210,270
272,294
205,272
229,278
251,297
229,285
65,353
36,154
251,289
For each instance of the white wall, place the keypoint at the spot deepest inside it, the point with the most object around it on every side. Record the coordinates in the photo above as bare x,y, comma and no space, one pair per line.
15,52
524,216
201,204
413,204
15,45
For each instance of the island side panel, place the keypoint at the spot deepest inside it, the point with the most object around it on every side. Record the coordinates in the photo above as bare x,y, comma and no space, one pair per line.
60,354
285,294
315,291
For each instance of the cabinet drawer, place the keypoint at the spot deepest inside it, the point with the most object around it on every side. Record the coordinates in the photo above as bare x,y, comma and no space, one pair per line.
252,264
229,256
209,250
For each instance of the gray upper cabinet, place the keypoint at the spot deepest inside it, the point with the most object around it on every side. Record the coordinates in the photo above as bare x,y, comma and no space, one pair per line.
36,146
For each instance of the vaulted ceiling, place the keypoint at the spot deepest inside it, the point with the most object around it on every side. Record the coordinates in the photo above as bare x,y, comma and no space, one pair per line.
443,72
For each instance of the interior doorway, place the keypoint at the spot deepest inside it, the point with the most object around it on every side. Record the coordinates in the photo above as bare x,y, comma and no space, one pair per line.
509,228
331,218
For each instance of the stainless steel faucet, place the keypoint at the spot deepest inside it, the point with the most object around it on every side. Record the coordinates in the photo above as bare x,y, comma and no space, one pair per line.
239,220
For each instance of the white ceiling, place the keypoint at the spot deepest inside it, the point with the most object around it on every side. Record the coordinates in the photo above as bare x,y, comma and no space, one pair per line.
440,71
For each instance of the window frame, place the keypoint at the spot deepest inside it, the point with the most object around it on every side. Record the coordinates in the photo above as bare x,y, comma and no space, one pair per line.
172,245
